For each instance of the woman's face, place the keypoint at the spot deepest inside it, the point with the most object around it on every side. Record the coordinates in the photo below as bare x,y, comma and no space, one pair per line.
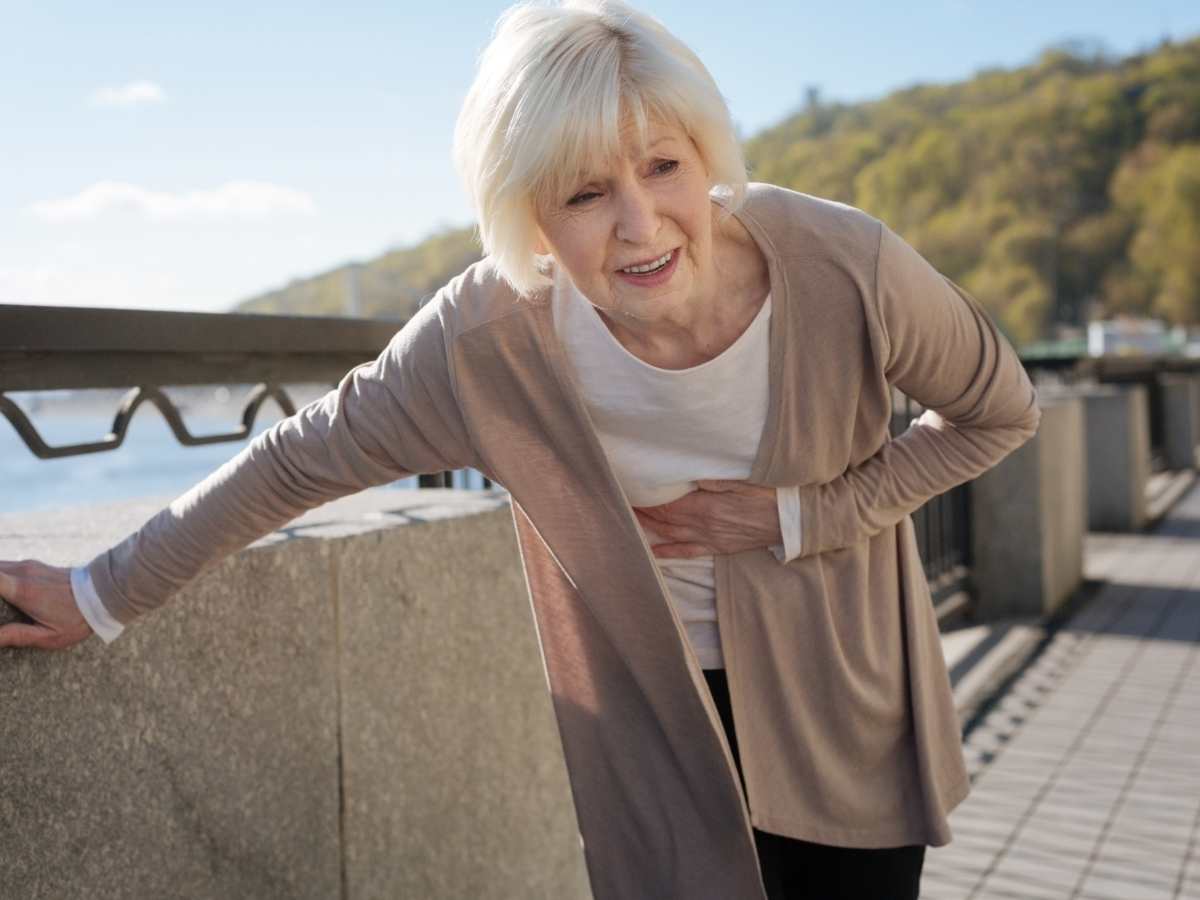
636,236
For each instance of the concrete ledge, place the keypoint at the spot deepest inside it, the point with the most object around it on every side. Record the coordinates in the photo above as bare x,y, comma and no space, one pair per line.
352,708
1164,490
980,658
197,757
454,776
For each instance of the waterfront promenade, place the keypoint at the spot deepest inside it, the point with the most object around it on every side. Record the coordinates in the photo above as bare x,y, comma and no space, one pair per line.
1086,768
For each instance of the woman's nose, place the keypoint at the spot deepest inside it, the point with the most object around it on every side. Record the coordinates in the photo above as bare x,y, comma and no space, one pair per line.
637,217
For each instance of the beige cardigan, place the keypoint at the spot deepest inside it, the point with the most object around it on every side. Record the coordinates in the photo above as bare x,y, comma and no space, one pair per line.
847,730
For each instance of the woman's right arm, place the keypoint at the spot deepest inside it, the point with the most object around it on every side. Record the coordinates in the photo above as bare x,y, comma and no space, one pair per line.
43,593
392,418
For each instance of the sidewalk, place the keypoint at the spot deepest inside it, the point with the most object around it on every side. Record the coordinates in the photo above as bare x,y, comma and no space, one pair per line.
1087,771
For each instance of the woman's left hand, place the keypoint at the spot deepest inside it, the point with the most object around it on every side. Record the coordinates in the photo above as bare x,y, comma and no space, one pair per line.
717,517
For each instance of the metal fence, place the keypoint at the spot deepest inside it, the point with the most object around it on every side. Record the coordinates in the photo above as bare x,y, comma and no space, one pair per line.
943,527
1148,371
50,349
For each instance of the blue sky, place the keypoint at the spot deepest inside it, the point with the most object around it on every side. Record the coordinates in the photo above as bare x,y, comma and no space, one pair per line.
186,156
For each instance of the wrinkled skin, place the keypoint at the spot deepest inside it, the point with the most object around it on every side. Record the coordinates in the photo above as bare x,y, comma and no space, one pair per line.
43,593
718,517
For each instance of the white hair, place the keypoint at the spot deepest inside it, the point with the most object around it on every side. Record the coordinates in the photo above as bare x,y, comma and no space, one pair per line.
554,87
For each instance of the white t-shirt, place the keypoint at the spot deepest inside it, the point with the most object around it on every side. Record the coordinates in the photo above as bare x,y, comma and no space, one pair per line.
664,429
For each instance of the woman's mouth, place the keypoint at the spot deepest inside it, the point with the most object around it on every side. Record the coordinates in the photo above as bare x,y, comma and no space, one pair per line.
651,267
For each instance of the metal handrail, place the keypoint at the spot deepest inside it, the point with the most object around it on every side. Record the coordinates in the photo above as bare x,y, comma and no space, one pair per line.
943,529
129,404
57,348
1148,370
62,348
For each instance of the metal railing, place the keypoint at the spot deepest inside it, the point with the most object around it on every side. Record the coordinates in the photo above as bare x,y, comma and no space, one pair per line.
1146,370
62,348
48,349
943,527
1149,371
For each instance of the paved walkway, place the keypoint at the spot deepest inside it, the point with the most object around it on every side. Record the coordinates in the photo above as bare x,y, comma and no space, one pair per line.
1087,772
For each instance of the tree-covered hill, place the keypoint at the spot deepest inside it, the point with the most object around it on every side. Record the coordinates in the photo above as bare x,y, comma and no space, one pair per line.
392,286
1055,193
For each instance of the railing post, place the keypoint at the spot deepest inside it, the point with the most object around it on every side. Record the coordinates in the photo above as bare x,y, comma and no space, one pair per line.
1029,518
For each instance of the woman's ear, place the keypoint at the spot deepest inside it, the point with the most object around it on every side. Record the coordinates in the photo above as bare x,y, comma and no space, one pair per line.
540,247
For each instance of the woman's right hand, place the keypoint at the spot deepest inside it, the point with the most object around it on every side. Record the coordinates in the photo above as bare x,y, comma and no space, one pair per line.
43,593
720,516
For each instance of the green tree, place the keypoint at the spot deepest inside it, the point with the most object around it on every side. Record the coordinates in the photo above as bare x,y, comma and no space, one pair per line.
1050,192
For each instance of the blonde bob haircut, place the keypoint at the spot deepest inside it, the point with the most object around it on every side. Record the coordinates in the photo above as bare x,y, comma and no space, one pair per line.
554,88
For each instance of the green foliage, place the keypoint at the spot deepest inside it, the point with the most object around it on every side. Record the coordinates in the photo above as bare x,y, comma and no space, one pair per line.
1158,190
392,286
1055,192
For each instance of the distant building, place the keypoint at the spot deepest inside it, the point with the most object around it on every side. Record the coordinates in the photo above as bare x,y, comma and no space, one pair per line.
1130,337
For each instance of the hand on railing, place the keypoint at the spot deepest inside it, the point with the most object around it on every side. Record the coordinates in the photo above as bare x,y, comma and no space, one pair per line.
43,594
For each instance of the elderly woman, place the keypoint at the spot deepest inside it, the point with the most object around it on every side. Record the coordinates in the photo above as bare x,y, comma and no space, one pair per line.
683,381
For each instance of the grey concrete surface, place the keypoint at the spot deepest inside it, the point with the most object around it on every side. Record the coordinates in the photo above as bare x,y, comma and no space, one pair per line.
1181,411
1118,457
194,758
1087,771
1028,518
1164,489
353,707
980,658
1063,501
454,777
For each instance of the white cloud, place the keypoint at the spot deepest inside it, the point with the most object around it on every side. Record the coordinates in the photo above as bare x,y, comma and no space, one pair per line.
50,285
236,199
136,93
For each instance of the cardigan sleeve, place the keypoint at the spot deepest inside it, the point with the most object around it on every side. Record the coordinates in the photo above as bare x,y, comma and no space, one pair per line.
387,420
942,350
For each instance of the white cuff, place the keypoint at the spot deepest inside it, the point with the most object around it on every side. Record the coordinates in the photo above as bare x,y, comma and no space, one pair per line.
787,501
92,609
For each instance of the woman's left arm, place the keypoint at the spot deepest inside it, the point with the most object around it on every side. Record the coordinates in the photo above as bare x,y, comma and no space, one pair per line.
942,350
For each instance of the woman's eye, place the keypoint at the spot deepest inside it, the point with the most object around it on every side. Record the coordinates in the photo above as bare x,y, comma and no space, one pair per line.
582,197
667,165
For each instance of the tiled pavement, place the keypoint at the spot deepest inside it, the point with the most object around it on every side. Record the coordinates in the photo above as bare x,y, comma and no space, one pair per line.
1087,771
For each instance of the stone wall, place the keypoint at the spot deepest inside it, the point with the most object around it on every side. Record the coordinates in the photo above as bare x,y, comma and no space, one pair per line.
352,708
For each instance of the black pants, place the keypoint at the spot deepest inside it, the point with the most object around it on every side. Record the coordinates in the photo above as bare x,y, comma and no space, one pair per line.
800,870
